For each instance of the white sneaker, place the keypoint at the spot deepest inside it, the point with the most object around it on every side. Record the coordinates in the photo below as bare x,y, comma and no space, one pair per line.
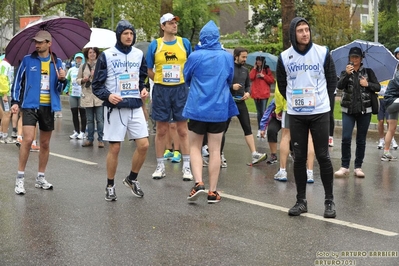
223,161
81,135
381,144
204,151
159,172
74,135
394,145
187,176
7,140
41,182
281,175
19,186
330,141
258,157
310,177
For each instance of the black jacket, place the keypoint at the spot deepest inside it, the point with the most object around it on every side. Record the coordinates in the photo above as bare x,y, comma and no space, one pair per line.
392,92
355,98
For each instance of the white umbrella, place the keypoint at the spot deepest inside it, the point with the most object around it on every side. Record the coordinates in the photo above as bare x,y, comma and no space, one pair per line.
101,38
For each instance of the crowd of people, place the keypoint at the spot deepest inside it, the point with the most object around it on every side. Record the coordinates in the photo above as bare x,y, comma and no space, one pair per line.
206,86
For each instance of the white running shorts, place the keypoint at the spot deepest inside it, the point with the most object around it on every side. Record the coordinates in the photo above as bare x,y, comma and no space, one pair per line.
123,120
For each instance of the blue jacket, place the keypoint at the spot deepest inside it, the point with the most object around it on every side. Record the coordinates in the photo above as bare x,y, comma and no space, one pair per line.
209,72
264,122
26,89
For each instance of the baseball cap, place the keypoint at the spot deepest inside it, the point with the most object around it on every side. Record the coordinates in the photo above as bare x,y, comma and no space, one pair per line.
356,51
168,17
42,35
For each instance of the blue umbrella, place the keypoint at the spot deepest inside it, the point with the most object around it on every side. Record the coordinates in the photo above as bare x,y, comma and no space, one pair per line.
271,60
375,56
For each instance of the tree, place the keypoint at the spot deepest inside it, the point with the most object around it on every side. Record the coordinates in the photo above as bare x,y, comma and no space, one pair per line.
74,8
388,30
332,24
194,15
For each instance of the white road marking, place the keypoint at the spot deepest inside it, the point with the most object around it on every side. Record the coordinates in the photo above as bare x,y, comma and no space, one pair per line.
313,216
73,159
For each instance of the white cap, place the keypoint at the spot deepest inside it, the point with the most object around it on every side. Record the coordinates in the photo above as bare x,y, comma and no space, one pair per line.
168,17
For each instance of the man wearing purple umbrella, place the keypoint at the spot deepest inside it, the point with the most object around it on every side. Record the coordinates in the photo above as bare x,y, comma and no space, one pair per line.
38,83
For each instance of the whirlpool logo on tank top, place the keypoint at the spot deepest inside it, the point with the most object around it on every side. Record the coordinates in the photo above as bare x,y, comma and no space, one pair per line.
124,64
294,68
170,56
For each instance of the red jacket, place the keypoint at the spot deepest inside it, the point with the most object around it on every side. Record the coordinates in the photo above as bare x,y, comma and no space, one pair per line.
260,88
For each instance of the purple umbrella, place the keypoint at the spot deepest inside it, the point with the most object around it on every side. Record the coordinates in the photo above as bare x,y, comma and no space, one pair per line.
69,36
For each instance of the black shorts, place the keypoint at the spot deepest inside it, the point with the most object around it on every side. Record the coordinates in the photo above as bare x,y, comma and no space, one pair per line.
201,128
43,115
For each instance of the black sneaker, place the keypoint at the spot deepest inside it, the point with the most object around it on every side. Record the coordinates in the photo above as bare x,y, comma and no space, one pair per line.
214,197
196,191
134,186
329,211
301,206
272,160
110,194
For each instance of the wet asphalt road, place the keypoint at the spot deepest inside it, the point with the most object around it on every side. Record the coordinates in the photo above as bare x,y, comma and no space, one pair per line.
74,225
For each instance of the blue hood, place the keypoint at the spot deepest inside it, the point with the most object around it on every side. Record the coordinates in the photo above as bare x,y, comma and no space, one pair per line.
209,36
121,27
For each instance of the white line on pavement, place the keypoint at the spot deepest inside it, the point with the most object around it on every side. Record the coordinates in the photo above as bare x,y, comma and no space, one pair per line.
313,216
72,159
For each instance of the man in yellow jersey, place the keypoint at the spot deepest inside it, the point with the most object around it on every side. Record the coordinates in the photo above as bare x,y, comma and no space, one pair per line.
166,57
38,83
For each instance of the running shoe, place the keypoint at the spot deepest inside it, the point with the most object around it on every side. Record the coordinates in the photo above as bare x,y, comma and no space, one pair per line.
330,142
329,209
258,157
310,178
74,135
388,157
272,159
198,189
19,141
205,161
281,175
381,144
34,148
19,186
110,194
159,172
213,197
167,155
81,135
7,140
223,161
301,206
205,151
14,134
41,182
394,145
134,185
187,176
176,157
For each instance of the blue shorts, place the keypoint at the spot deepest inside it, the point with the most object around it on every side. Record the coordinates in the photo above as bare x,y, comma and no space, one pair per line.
168,102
